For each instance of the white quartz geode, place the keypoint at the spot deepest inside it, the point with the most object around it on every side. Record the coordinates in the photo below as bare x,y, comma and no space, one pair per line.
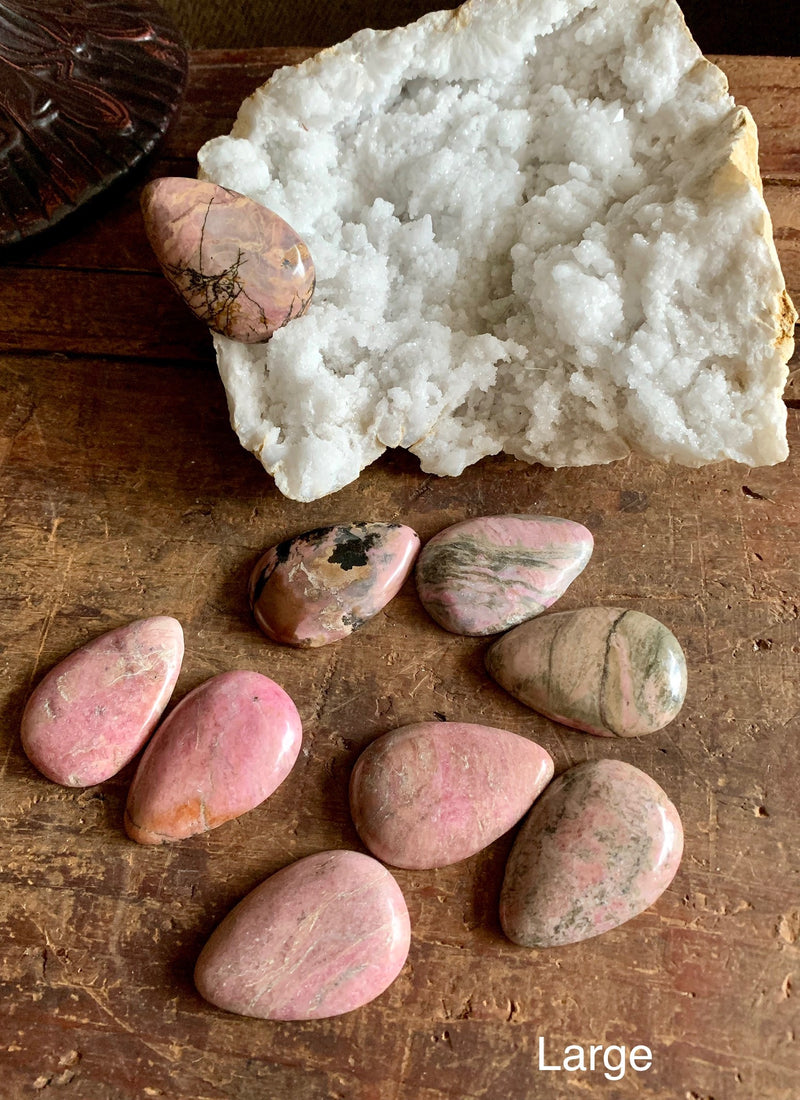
538,228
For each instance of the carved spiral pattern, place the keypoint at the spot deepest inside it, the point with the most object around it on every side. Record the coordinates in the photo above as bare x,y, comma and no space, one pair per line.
87,88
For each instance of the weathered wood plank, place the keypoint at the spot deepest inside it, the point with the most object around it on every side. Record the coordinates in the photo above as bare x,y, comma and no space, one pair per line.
96,312
105,522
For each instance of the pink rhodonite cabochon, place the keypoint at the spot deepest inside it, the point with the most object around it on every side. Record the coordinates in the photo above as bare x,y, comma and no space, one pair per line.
322,936
239,267
488,573
92,713
434,793
320,586
222,751
606,670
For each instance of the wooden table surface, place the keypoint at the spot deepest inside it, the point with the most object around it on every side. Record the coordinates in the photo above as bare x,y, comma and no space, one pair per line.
124,493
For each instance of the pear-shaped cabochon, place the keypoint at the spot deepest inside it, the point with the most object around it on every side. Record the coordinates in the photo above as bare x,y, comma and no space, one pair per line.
320,586
224,749
433,793
489,573
238,266
599,846
319,938
94,711
604,670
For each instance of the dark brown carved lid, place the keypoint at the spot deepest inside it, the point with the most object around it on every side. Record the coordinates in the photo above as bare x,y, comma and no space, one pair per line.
87,88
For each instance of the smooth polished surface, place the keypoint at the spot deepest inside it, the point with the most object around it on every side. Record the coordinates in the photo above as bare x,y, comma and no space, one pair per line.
433,793
92,713
604,670
320,586
321,937
224,749
237,265
600,846
487,574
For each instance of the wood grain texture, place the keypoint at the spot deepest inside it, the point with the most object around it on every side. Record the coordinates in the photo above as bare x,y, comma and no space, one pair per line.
123,493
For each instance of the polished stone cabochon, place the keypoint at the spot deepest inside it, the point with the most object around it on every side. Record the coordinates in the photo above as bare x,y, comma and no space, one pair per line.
94,711
318,938
604,670
486,574
222,751
237,265
318,587
433,793
599,846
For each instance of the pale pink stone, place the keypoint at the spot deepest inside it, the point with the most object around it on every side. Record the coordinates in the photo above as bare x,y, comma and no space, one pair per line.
92,713
241,268
224,749
489,573
433,793
320,937
600,846
320,586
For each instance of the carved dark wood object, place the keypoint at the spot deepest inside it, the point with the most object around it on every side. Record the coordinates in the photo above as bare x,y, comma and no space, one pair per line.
87,88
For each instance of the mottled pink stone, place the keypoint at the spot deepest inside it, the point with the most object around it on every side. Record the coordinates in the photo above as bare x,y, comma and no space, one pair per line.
604,670
238,266
320,586
224,749
92,713
486,574
600,846
433,793
319,938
